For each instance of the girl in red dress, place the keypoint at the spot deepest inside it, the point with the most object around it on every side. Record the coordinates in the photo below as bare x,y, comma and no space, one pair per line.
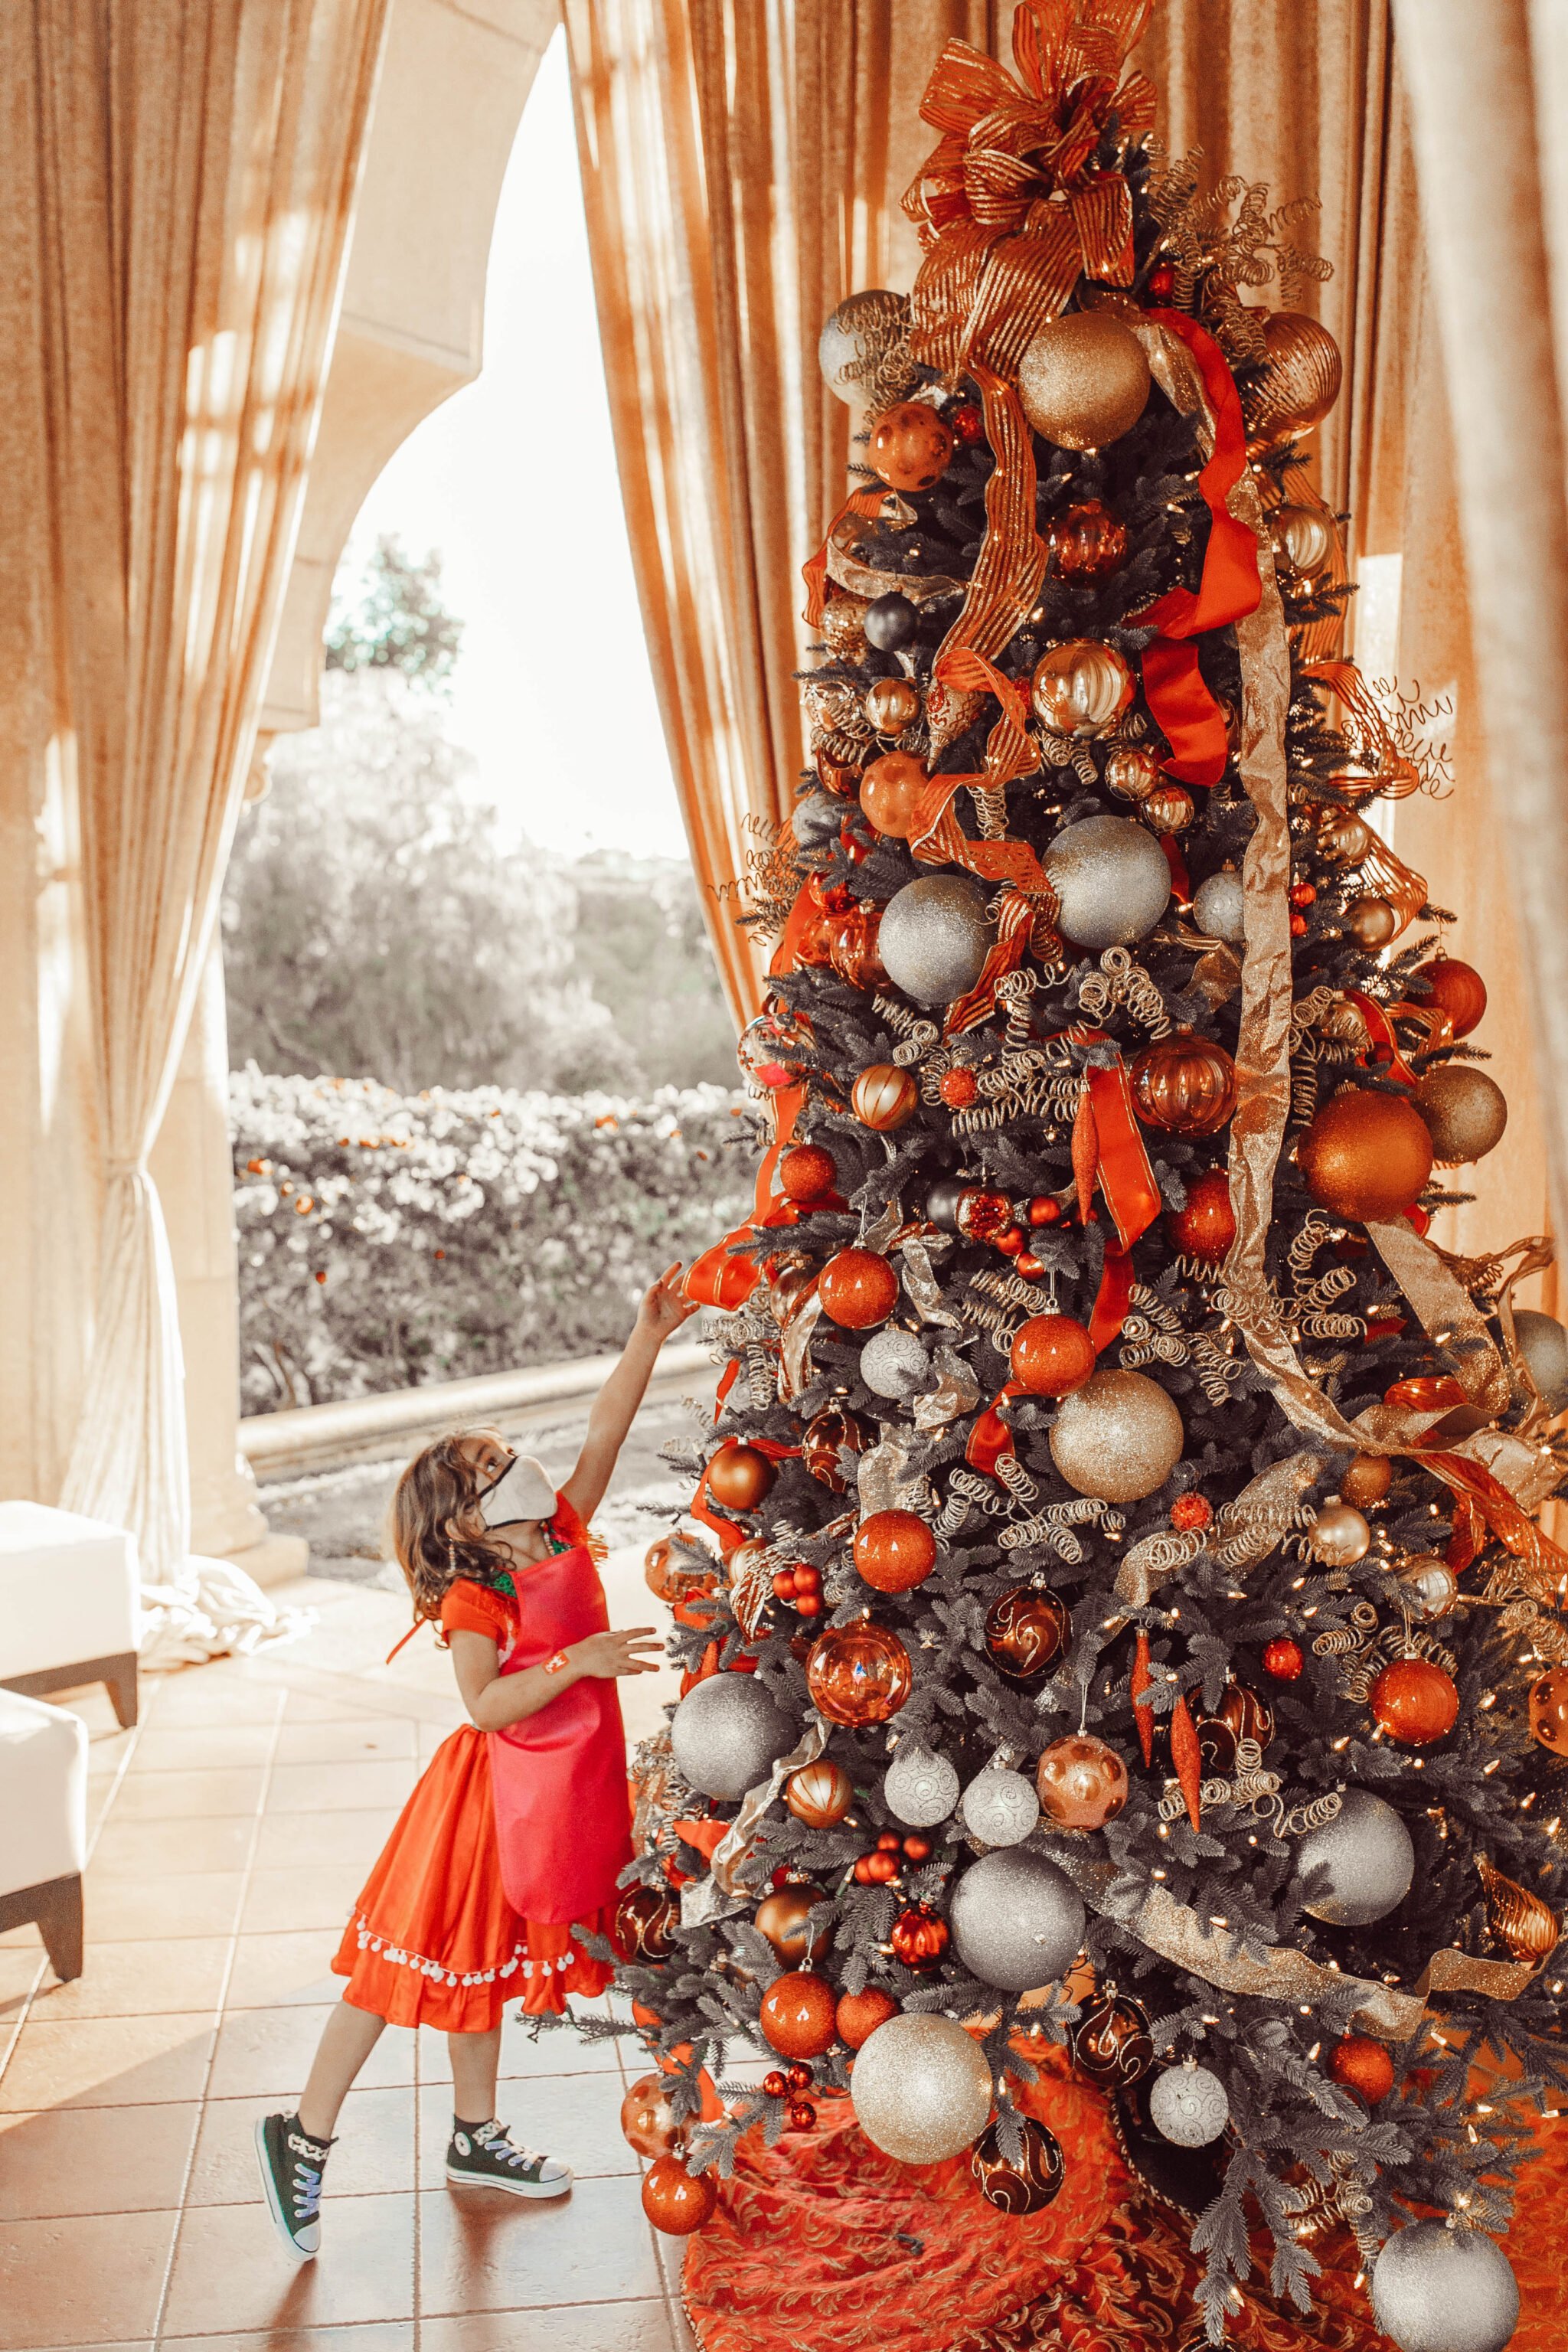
521,1825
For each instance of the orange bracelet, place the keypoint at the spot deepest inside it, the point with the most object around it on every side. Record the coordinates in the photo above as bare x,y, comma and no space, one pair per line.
558,1663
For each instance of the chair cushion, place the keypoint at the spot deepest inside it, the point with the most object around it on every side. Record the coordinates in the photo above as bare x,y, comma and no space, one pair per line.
42,1792
67,1590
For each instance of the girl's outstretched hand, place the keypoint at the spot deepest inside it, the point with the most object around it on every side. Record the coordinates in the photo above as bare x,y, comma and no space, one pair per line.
623,1653
664,1309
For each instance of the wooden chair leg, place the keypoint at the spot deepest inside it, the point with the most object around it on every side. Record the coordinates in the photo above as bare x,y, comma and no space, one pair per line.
120,1678
60,1926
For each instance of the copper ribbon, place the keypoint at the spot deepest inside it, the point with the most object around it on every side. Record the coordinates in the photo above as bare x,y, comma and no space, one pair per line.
1015,923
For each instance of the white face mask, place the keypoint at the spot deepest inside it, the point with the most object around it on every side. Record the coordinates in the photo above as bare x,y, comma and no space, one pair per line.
519,1492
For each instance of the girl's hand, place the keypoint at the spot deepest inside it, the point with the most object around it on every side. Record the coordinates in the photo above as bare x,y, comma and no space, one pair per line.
664,1309
607,1654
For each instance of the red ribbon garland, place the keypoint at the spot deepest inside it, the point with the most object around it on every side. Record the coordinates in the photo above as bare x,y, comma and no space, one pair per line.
1184,710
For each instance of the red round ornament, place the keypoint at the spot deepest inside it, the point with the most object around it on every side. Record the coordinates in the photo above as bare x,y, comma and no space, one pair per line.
1190,1512
1283,1659
1205,1228
775,2084
852,952
1183,1084
1415,1702
806,1174
1086,541
858,1675
894,1551
798,2015
857,1288
802,2114
643,1924
981,1213
911,448
918,1936
1454,988
1161,282
968,425
1363,2064
1045,1210
1248,1716
1051,1355
1026,1630
800,2079
675,2200
739,1476
860,2013
958,1087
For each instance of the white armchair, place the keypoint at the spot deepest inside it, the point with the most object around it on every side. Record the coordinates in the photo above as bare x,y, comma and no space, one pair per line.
69,1607
43,1824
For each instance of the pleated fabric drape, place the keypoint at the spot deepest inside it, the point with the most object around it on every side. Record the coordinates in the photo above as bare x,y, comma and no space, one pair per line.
189,172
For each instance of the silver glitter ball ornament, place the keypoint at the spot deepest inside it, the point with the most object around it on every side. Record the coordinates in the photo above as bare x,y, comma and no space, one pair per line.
1428,1585
999,1808
1110,878
935,935
1188,2105
863,348
1544,1344
921,2089
726,1734
895,1364
1439,2290
1119,1437
1370,1861
1016,1920
1465,1111
919,1788
1218,906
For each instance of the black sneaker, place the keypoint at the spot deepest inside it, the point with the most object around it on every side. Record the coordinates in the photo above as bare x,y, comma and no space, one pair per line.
481,2155
292,2167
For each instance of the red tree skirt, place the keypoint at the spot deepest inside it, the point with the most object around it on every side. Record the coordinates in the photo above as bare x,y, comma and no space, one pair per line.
824,2242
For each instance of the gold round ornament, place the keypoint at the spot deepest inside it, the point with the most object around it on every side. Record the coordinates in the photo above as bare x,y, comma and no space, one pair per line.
1465,1111
1303,539
1084,380
1343,836
1081,688
1371,922
1119,1437
1300,382
1170,808
892,704
1132,774
1340,1536
1549,1709
1366,1479
1428,1585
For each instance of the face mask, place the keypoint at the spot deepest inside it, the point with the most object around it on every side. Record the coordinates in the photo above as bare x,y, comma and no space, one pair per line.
511,1498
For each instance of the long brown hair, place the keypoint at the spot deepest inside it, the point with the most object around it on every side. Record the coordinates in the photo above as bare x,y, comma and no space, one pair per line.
439,1486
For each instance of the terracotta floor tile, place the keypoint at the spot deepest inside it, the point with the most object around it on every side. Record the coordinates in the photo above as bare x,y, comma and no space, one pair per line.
576,2327
92,2279
284,1969
140,1980
172,1849
94,2159
291,1839
232,2277
107,2062
575,2117
131,1911
388,1737
189,1796
320,1896
481,2251
374,2156
266,2053
19,1967
344,1787
220,1693
197,1747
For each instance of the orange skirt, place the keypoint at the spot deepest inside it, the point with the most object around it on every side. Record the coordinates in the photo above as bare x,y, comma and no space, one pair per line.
433,1940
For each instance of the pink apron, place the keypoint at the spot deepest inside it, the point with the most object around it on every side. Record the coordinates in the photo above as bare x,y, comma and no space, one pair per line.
562,1813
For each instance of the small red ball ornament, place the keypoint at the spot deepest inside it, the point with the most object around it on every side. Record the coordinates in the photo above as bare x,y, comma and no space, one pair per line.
1045,1210
1190,1512
858,1675
775,2084
1051,1355
806,1174
1415,1702
798,2015
860,2013
1454,988
894,1551
911,448
1363,2064
967,423
802,2114
1205,1228
857,1288
1161,282
739,1476
958,1087
675,2200
1283,1659
918,1936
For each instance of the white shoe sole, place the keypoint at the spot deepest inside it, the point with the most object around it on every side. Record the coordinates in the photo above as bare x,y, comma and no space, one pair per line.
508,2188
296,2251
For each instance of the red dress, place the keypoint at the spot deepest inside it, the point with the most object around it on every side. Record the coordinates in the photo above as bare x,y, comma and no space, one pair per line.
436,1938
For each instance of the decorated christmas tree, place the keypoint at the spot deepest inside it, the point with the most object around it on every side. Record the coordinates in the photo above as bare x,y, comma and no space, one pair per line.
1115,1617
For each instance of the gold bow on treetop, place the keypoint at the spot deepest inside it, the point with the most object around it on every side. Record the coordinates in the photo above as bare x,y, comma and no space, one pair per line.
1011,205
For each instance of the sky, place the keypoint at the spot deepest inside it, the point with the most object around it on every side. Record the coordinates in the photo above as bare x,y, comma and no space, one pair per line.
513,480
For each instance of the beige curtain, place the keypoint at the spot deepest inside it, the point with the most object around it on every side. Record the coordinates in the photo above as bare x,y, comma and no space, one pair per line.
187,169
742,162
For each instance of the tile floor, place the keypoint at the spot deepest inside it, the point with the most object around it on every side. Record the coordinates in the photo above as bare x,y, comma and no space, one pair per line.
231,1833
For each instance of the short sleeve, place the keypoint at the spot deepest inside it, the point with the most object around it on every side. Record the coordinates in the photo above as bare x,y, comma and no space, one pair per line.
468,1608
566,1525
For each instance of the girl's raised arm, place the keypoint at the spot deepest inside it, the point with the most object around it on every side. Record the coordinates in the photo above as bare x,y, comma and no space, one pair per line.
663,1310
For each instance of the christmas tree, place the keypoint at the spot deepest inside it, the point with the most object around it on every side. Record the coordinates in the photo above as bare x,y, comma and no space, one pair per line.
1116,1615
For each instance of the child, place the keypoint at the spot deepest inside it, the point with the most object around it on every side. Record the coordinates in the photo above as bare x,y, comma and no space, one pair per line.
521,1825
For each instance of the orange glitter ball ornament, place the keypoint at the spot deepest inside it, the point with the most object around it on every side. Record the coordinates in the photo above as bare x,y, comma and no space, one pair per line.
1415,1702
894,1551
857,1287
675,2200
798,2015
1363,2064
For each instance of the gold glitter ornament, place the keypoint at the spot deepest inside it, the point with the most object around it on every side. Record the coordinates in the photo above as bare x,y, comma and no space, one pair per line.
1120,1437
921,2089
1084,380
1465,1111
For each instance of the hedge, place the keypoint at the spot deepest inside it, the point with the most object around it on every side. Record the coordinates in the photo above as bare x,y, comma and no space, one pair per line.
388,1239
